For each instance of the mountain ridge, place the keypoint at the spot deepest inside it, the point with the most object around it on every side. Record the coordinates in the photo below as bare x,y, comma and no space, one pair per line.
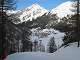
35,10
63,9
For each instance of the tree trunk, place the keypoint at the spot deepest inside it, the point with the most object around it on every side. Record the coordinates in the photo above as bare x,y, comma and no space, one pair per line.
78,43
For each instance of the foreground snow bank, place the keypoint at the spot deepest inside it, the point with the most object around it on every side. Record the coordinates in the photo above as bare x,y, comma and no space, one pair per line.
68,53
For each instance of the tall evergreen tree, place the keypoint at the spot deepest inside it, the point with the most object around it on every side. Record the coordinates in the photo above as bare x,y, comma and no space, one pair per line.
78,22
52,46
74,33
4,5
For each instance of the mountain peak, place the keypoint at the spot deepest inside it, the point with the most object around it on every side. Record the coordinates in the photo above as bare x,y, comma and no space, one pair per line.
35,10
35,4
63,9
32,12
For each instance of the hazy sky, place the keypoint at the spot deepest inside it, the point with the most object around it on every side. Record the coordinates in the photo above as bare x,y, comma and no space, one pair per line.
48,4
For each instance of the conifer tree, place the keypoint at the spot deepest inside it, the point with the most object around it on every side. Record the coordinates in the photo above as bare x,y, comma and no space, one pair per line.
52,46
4,5
74,33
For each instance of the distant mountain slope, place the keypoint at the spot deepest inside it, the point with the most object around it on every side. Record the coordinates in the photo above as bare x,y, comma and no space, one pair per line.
64,9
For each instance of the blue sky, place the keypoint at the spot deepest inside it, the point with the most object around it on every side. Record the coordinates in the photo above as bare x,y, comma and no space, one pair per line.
48,4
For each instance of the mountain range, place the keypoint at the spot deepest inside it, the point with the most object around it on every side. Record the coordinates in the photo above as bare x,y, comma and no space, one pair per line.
35,10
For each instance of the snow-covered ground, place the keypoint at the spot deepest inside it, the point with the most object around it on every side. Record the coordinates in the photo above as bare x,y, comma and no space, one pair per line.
68,53
45,35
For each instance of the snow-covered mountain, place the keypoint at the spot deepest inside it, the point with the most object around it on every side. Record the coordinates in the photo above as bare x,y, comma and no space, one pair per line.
64,9
9,12
31,12
35,10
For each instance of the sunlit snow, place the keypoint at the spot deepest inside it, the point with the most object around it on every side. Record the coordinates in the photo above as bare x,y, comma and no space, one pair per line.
63,9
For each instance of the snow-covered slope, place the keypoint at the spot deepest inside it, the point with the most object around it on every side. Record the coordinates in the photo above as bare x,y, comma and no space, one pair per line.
45,35
31,12
9,12
68,53
64,9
